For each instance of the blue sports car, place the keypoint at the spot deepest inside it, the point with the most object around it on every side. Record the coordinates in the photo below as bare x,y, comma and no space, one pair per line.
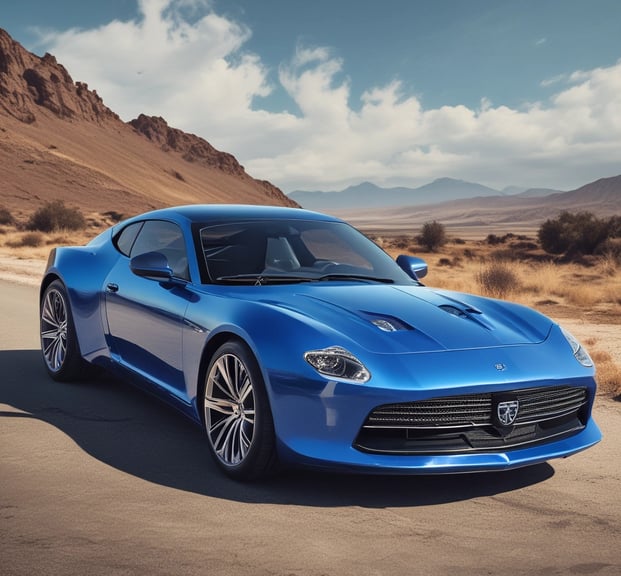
293,339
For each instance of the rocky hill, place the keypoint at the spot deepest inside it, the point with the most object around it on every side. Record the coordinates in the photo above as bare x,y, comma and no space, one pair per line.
58,140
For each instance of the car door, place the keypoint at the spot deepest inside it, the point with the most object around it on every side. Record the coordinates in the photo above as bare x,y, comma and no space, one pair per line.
145,316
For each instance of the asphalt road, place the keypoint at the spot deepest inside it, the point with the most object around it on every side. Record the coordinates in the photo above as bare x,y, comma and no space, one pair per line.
97,478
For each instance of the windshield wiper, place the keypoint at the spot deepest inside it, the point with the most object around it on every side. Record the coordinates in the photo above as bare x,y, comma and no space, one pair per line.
261,279
356,277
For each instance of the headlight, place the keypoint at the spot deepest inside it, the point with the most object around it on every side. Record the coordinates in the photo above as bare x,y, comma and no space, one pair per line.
579,352
337,363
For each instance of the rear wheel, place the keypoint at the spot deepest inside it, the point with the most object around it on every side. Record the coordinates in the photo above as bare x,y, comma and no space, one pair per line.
59,343
238,419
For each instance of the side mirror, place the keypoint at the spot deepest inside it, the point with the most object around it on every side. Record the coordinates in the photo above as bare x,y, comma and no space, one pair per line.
151,265
413,266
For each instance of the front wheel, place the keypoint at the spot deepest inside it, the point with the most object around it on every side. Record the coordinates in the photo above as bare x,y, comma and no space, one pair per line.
59,343
238,419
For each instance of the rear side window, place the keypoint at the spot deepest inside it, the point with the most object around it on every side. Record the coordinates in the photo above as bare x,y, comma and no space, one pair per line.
125,240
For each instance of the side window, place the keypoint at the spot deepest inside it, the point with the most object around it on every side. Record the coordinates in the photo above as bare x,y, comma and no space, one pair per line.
125,240
167,238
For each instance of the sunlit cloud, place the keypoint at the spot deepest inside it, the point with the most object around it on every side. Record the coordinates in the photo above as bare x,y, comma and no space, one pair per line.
182,60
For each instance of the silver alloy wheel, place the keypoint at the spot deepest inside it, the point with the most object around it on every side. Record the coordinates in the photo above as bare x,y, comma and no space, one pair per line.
230,409
54,330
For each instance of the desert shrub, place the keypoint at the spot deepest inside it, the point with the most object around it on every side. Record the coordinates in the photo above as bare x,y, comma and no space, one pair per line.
432,236
114,215
5,216
492,239
497,280
32,239
579,233
401,242
53,216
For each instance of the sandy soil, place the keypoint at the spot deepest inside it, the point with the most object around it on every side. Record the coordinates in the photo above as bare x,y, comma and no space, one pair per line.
21,271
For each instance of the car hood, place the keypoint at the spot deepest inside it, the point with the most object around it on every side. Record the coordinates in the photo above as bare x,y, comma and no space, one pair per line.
398,319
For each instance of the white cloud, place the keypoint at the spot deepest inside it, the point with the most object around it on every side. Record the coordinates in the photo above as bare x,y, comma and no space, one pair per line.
183,61
554,80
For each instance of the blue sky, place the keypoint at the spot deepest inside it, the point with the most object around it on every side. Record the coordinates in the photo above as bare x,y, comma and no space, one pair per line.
322,94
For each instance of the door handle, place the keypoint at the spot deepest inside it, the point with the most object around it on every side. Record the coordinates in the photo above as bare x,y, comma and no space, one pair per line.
111,287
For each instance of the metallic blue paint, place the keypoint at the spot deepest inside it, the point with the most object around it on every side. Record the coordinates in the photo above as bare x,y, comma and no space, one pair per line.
445,344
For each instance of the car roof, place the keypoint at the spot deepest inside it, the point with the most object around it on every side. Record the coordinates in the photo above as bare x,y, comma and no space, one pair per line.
201,213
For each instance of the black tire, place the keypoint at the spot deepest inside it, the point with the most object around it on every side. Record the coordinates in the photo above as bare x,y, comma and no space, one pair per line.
59,343
237,415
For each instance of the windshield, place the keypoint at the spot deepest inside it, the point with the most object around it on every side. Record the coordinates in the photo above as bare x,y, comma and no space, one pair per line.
277,251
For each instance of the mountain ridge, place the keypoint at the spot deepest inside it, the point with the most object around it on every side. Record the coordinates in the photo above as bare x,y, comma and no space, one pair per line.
509,213
368,195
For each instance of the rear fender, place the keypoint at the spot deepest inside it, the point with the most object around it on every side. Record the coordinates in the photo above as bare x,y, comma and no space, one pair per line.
83,270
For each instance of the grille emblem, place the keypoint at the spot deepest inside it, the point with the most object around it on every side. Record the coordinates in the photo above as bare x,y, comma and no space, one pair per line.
507,412
500,367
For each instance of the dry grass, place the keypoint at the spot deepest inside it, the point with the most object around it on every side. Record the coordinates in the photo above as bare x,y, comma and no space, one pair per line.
16,242
591,289
24,240
608,374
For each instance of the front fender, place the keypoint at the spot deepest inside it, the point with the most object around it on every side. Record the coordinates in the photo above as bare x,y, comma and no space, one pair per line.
277,337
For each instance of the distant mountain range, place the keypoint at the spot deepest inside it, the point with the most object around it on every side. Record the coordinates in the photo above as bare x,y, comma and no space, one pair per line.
499,212
367,195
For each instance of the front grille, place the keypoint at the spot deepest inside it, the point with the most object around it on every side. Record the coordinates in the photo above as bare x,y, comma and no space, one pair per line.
467,423
452,411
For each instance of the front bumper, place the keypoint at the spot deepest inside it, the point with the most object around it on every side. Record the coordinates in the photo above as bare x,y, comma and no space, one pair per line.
318,421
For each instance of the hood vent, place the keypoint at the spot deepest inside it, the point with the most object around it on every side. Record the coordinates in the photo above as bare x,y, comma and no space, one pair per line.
453,310
385,323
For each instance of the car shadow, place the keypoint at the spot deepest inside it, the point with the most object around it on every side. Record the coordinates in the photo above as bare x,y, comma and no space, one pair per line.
132,432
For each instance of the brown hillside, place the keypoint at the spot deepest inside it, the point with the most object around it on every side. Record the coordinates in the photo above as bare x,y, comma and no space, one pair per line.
603,195
59,141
